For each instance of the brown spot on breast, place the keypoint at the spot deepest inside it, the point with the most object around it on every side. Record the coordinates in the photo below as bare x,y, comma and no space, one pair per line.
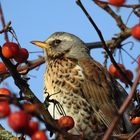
60,76
82,113
64,97
69,103
75,90
86,109
76,111
78,107
56,82
67,75
84,103
63,102
63,83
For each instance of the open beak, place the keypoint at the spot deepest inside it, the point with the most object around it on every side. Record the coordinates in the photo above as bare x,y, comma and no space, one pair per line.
41,44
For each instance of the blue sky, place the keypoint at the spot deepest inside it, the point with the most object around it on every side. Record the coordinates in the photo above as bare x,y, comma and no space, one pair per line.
36,20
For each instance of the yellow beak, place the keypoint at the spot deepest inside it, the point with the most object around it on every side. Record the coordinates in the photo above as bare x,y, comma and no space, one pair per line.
41,44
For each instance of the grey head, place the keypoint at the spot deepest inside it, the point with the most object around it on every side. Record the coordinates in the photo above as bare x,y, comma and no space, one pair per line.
62,44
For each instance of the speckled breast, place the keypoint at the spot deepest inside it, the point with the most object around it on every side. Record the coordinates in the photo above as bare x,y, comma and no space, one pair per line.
63,82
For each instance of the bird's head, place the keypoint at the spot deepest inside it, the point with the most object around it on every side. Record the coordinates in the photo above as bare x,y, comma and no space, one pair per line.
61,44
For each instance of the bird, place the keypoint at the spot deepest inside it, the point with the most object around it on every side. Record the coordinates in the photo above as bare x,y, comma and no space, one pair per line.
81,86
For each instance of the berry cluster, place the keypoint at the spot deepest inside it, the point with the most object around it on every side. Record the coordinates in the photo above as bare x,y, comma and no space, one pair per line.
11,50
21,121
135,31
114,72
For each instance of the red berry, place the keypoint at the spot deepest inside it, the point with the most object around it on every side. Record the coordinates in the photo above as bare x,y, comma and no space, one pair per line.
10,49
22,56
4,91
39,135
18,121
31,108
2,67
135,120
129,74
4,109
116,2
136,31
113,71
66,122
32,128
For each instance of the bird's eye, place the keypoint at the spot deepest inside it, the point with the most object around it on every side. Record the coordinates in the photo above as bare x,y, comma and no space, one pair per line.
55,43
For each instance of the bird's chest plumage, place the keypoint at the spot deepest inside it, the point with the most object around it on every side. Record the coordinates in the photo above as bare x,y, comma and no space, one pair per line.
63,82
63,75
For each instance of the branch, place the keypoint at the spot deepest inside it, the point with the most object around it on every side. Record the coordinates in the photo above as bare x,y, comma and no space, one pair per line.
134,135
111,44
3,24
103,42
117,18
24,87
24,69
122,108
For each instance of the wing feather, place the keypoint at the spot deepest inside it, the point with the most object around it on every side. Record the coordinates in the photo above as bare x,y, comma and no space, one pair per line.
97,89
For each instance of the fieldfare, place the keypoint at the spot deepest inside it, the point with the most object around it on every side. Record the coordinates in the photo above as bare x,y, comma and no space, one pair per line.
82,86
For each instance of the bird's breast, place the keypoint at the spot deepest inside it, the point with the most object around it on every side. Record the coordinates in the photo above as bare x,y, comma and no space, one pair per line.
63,76
63,82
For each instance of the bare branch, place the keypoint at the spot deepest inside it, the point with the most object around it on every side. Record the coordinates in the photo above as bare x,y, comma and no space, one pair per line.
24,68
103,42
117,18
3,24
111,44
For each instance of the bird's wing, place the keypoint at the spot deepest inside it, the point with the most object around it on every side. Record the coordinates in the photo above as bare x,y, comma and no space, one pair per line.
98,90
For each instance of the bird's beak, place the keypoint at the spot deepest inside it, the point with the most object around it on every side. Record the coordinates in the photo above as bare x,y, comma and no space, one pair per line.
41,44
